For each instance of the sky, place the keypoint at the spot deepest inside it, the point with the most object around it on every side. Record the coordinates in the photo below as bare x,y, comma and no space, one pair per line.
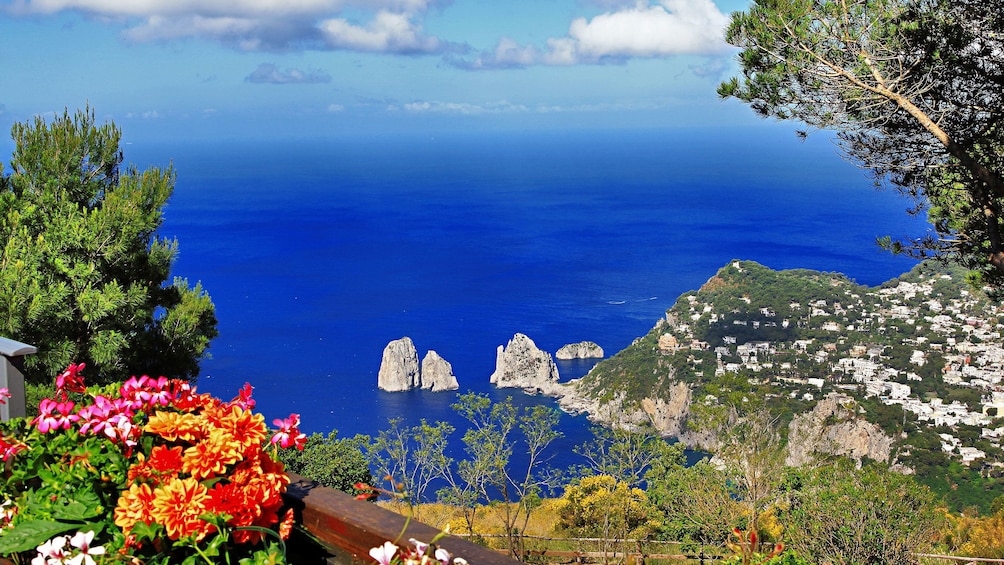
219,69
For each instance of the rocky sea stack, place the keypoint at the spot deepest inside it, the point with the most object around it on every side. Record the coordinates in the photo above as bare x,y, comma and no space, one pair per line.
521,364
581,350
401,371
437,373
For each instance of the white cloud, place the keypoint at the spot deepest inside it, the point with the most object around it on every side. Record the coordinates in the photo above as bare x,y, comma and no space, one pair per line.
146,115
500,107
333,108
641,29
262,25
507,107
268,73
387,32
670,28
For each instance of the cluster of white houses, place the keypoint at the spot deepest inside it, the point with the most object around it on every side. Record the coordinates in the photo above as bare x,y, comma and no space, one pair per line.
963,332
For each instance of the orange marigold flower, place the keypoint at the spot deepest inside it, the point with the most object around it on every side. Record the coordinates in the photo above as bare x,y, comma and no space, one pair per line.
210,457
244,471
134,506
229,498
286,526
177,506
265,482
164,462
246,427
173,426
265,520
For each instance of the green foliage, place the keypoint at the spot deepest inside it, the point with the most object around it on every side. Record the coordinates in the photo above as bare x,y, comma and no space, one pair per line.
496,429
961,486
83,275
337,463
413,456
914,90
839,514
696,504
623,454
69,481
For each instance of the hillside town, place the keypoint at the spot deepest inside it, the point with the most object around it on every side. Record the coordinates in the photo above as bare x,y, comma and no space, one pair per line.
926,343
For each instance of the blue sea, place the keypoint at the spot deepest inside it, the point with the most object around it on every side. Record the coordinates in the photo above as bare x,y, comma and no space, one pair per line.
318,252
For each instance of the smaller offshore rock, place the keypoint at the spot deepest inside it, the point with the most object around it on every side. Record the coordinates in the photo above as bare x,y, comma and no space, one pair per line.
581,350
437,373
399,370
521,364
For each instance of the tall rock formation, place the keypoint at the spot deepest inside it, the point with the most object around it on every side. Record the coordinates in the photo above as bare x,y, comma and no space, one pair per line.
399,369
581,350
521,364
437,373
834,427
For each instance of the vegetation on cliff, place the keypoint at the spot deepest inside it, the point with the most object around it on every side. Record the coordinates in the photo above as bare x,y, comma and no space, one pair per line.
920,356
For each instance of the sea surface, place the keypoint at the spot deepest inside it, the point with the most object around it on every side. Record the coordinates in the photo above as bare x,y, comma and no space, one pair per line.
319,252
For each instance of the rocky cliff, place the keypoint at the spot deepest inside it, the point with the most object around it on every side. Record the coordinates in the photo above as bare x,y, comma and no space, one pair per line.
581,350
437,373
834,427
667,414
521,364
399,369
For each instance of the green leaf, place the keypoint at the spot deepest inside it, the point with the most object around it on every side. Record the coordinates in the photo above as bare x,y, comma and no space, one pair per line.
84,505
31,534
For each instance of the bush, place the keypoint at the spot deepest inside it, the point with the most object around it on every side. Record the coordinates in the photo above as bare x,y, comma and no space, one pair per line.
333,462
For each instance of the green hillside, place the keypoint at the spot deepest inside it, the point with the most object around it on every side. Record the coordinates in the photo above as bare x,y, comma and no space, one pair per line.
921,355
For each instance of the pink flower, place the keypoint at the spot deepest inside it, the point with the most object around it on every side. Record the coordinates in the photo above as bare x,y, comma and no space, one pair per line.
70,380
289,433
4,395
243,398
147,392
54,416
113,418
384,554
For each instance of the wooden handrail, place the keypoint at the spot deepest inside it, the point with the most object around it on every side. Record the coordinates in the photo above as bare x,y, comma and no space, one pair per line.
349,528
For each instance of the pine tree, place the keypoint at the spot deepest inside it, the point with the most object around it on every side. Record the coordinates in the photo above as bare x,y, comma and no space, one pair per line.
83,272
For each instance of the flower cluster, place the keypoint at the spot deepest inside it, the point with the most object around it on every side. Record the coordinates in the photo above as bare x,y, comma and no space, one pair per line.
81,552
418,553
164,471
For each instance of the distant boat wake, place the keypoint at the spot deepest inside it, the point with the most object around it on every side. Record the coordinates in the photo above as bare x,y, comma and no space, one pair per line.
619,302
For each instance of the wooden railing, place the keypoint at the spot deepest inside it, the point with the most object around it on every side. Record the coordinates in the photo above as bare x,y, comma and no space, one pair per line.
344,529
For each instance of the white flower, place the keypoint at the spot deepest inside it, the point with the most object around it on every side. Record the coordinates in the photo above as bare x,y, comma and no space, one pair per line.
384,553
82,542
51,552
419,546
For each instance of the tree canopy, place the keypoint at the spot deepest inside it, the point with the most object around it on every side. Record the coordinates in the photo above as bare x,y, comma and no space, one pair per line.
914,90
83,273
